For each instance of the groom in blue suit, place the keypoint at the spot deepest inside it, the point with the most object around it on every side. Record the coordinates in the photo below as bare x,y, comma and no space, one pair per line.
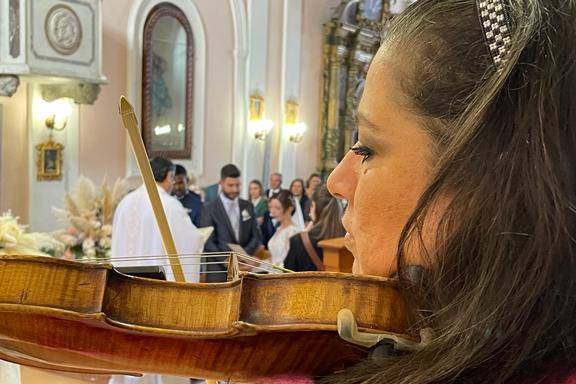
233,220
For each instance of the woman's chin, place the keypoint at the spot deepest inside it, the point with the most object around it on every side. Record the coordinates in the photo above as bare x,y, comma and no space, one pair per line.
356,269
349,242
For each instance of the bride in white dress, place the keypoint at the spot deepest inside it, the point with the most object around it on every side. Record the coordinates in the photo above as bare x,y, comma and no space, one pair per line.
281,207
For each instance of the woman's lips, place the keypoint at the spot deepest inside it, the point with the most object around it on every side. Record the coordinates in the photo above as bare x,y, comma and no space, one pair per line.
349,241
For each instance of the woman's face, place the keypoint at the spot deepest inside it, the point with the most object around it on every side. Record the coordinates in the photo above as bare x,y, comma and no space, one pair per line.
313,212
314,182
296,189
254,190
384,174
275,208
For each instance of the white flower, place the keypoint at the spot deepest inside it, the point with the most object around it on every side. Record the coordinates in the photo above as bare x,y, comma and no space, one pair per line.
106,230
88,245
15,241
105,242
90,253
68,240
95,224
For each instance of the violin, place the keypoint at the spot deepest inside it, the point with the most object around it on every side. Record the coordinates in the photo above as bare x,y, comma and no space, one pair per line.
90,318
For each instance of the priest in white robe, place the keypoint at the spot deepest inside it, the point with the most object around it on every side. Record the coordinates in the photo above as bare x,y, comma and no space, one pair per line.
135,232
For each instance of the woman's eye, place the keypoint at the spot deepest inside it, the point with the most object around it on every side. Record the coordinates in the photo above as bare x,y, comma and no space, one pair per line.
361,150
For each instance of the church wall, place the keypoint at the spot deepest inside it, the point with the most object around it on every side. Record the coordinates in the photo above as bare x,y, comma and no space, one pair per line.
102,138
101,126
102,146
14,153
313,14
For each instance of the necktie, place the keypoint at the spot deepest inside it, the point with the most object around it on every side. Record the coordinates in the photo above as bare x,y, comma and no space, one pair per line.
233,215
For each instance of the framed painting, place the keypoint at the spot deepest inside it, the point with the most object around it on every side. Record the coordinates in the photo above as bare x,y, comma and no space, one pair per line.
49,161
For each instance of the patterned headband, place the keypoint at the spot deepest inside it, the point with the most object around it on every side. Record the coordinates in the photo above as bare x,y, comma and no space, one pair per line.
496,26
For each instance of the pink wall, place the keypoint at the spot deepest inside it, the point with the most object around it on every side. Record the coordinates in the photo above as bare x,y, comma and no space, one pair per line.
219,30
14,152
102,138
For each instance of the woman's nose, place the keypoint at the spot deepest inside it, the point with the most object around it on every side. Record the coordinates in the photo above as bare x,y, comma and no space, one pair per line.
343,179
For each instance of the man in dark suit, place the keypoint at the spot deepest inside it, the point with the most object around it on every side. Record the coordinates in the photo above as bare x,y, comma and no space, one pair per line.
233,220
275,184
189,199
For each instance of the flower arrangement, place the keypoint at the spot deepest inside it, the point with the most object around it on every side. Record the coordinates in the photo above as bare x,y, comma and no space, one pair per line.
89,211
14,240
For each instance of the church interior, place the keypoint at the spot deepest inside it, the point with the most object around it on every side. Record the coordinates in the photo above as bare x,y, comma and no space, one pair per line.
270,86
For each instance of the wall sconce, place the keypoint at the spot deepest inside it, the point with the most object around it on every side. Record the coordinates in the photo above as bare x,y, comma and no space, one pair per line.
257,125
56,114
293,129
49,157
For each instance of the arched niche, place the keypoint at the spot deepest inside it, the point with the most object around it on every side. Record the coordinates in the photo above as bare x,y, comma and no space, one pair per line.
167,83
139,14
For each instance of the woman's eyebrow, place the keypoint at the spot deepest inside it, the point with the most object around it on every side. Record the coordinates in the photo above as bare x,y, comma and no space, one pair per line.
364,121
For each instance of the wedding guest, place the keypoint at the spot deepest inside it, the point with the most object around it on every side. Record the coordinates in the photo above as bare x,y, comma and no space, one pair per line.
281,207
312,183
326,213
258,200
299,194
189,199
233,221
275,184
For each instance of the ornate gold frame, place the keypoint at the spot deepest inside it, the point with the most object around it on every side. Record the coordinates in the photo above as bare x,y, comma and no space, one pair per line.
44,170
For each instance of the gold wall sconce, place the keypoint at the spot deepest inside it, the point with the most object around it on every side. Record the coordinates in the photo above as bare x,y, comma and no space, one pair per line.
57,114
257,124
49,157
293,129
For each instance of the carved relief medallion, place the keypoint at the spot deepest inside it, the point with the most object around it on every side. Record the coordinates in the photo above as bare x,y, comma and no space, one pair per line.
63,29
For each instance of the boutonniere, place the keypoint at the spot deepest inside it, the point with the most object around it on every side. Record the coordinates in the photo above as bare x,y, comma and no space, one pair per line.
245,215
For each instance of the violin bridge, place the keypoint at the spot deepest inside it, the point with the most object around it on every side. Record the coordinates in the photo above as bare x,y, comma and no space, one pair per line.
233,268
348,330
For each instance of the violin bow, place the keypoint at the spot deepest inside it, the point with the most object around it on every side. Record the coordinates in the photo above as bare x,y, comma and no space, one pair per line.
131,124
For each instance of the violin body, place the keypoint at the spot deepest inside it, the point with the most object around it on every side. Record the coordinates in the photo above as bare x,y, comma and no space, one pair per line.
71,316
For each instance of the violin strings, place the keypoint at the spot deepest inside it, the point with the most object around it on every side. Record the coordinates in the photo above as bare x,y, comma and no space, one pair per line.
127,259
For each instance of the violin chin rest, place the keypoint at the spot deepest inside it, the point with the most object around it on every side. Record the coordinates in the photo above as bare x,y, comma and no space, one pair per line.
348,330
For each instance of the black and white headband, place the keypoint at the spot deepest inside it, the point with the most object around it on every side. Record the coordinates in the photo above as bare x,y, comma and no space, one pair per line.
496,26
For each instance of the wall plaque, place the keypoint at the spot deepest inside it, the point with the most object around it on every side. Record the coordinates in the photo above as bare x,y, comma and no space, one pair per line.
63,29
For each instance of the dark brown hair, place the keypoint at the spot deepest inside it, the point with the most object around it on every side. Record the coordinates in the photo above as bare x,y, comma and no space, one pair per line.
229,170
285,199
259,184
500,287
328,212
301,184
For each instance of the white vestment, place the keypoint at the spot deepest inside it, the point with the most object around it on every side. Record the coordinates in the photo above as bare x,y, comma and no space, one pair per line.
9,373
135,233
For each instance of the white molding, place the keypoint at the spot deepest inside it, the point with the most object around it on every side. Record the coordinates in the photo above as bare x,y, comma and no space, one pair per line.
241,91
136,20
291,61
257,82
43,195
